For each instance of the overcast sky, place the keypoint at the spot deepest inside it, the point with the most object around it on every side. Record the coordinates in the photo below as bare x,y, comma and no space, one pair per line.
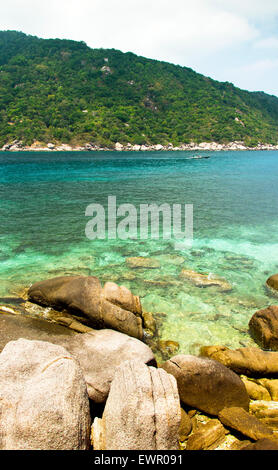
229,40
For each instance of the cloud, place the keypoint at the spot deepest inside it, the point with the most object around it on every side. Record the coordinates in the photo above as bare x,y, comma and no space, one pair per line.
260,66
155,28
267,43
252,9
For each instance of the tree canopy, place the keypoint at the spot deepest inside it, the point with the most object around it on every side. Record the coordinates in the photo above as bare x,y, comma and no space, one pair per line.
54,90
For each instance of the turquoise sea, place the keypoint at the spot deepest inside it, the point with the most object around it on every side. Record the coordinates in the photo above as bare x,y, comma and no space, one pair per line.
235,198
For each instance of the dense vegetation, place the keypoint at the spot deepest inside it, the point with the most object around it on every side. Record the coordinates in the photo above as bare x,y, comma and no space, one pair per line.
62,91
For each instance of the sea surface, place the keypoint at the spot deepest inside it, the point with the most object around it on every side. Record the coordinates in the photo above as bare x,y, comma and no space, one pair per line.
44,196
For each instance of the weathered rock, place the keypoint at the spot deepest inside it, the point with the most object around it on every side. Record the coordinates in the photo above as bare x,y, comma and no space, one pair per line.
208,437
252,362
271,386
262,444
112,306
256,391
43,398
13,327
238,444
149,322
204,280
168,348
100,353
266,412
272,282
141,262
185,426
238,419
264,327
142,411
205,384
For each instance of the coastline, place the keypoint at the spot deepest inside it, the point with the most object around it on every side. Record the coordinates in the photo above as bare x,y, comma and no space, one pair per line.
17,146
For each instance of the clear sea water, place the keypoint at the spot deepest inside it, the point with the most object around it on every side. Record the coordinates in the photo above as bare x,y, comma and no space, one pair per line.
235,199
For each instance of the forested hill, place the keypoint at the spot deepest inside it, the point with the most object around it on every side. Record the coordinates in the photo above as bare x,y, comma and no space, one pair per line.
55,90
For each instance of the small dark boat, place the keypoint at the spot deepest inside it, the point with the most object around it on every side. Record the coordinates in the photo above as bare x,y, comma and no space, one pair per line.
199,157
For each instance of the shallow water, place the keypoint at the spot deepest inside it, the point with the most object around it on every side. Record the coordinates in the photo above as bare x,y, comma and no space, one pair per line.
235,200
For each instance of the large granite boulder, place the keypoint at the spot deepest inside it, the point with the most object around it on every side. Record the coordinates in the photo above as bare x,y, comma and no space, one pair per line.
264,327
99,353
142,411
243,422
205,384
13,327
112,306
44,403
252,362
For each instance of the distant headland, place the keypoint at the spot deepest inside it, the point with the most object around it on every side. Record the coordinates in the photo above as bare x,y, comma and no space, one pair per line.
68,96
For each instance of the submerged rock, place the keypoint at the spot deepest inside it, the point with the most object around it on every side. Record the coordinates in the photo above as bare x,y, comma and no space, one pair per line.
142,411
141,262
204,280
264,327
99,353
112,306
205,384
44,403
252,362
168,348
149,323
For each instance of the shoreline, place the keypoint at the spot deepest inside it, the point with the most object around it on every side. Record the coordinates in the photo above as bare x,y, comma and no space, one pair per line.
17,146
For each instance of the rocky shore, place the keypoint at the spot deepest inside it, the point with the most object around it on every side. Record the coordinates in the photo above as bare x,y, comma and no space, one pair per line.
17,146
96,383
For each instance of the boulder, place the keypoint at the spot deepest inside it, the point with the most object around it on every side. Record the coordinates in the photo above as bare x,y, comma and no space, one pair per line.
99,353
238,419
13,327
142,411
271,385
208,436
141,262
272,282
44,403
112,306
206,384
264,327
204,280
252,362
255,390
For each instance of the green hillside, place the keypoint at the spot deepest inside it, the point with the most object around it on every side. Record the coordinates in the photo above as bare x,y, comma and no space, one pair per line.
55,90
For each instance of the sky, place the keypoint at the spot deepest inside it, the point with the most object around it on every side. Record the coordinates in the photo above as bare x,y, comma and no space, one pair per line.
228,40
